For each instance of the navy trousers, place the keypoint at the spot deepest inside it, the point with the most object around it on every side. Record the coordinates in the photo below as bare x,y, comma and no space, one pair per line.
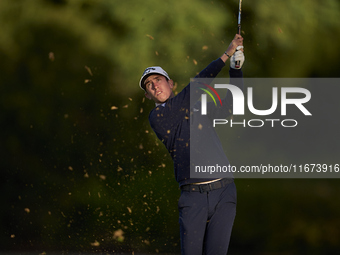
206,220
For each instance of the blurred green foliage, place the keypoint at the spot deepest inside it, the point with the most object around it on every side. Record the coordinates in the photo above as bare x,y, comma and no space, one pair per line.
83,170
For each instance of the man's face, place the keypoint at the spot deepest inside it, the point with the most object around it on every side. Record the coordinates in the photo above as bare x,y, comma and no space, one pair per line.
158,88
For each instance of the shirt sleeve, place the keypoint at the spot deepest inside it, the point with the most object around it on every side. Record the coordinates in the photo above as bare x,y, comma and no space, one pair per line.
226,109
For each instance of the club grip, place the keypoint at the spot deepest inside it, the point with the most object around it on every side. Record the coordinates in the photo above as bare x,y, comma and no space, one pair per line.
238,62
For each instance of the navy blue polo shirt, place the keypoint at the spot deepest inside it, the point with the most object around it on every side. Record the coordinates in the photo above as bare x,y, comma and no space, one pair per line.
171,123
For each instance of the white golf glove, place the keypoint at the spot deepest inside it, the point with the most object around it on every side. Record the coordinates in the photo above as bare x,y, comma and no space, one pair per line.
237,59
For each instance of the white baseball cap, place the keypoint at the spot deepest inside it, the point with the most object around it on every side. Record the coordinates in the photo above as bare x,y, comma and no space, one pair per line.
152,70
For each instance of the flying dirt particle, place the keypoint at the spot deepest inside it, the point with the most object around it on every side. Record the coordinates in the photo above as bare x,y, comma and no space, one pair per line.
168,131
95,243
103,177
175,86
118,235
70,168
88,69
147,131
126,106
51,56
27,210
87,81
114,107
205,47
280,30
200,126
141,110
86,175
129,209
150,37
119,169
141,147
12,236
156,52
195,62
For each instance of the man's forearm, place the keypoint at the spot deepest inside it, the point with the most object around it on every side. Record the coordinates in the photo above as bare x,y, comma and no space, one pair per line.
225,56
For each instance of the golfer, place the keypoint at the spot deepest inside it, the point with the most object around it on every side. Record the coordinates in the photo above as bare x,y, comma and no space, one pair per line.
207,207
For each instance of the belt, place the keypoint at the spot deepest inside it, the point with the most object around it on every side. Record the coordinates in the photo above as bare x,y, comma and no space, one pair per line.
207,187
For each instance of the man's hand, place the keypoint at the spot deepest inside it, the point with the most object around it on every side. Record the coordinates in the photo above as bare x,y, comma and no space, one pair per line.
236,42
237,60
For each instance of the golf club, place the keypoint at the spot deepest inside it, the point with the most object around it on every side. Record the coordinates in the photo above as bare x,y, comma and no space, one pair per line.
237,63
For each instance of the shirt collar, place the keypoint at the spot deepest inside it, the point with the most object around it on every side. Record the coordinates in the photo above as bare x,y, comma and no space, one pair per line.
157,104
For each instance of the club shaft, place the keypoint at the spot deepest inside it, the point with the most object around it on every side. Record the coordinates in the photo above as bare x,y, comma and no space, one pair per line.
237,63
239,17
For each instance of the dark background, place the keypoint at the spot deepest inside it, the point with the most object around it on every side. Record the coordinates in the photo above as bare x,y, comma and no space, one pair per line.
81,168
